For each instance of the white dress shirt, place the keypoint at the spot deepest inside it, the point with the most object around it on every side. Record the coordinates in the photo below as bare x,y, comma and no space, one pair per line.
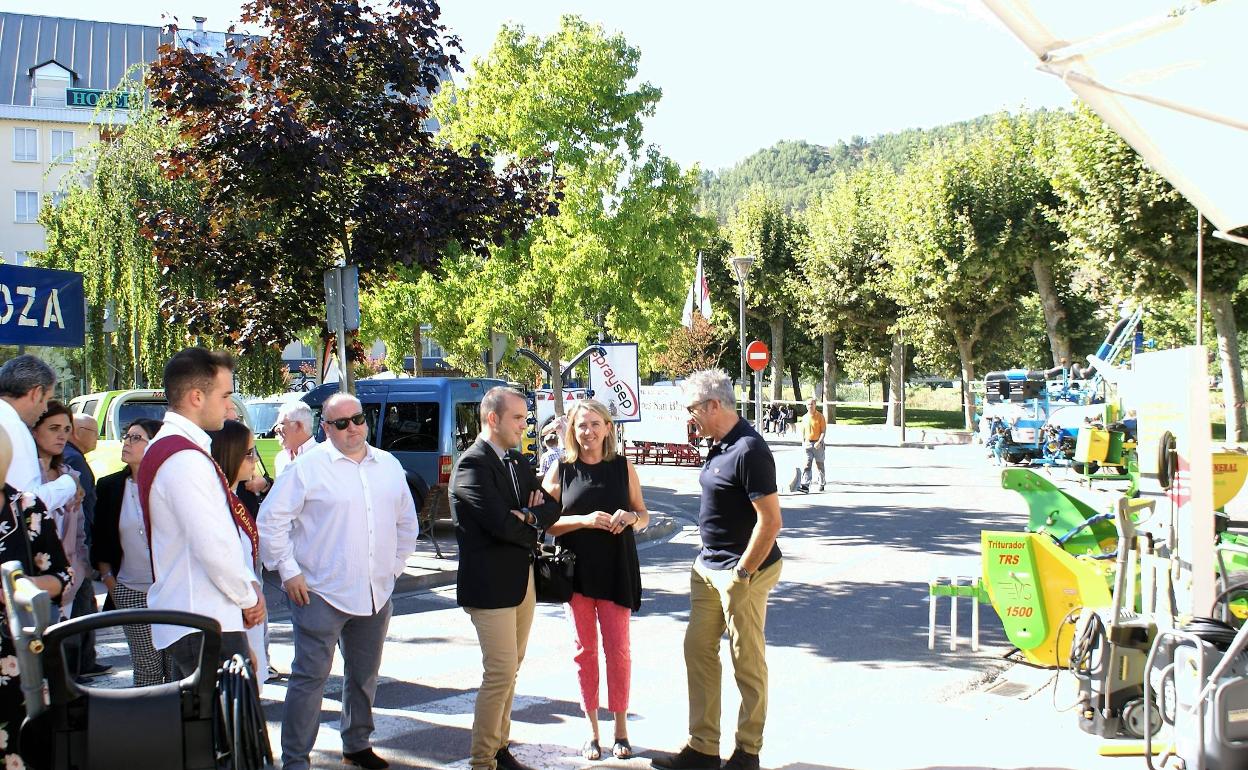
25,473
285,458
348,527
199,562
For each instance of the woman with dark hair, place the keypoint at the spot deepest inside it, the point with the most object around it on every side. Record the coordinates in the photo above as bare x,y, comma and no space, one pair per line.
51,432
234,449
120,552
23,518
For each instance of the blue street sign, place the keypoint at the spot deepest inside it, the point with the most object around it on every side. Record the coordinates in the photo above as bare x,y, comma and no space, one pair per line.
41,307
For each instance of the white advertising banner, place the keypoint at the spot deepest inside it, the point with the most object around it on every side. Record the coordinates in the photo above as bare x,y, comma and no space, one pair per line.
664,419
613,378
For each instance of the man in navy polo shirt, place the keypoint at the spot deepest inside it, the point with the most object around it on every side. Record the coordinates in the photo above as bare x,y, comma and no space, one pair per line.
732,577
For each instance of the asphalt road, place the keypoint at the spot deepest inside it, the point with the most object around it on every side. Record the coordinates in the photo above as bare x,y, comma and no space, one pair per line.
853,684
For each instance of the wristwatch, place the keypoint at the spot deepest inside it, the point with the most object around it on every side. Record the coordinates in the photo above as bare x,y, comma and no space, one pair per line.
744,573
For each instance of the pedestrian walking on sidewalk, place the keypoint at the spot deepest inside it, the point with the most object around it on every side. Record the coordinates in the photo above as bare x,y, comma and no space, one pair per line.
600,495
498,507
813,429
732,577
338,527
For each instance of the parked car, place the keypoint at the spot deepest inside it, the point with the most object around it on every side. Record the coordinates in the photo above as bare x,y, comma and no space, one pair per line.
113,410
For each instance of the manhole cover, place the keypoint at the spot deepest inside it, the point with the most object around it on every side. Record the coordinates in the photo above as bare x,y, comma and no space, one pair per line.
1008,689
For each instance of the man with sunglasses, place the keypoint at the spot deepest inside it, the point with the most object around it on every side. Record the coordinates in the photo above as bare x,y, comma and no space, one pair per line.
732,577
338,527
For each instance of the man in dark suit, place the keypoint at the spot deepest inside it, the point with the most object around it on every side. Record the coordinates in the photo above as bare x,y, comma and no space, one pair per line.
498,508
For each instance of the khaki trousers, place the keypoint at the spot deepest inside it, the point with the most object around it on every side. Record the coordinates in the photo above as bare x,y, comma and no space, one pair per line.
718,602
503,634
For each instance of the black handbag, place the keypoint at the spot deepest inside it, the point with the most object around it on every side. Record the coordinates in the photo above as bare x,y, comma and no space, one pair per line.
553,566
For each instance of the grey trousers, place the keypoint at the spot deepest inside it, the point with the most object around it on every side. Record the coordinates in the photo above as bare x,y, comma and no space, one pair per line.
319,627
814,456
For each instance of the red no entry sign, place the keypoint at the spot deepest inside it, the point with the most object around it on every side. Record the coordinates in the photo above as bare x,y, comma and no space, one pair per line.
757,356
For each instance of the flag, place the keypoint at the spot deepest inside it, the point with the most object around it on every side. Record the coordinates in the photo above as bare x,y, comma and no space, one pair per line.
698,299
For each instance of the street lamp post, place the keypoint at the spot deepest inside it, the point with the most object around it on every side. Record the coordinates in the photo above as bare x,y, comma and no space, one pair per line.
742,265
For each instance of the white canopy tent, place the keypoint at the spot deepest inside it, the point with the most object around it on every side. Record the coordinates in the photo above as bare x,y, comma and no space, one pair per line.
1170,85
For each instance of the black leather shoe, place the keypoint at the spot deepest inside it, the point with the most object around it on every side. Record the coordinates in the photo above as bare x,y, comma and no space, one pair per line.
741,760
366,759
507,762
686,759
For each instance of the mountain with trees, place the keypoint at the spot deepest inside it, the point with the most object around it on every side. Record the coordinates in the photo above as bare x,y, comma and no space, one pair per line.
793,171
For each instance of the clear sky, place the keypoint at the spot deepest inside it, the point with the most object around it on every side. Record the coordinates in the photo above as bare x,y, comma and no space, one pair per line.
739,75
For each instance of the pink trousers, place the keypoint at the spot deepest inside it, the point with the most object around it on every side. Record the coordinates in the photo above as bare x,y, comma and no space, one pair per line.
587,615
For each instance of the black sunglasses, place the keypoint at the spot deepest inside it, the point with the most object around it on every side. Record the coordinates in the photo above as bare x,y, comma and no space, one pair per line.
341,423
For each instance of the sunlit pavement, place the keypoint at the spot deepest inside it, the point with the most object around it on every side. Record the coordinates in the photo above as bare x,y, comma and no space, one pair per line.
853,684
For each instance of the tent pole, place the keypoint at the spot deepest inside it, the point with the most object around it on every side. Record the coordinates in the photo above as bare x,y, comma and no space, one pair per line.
1200,278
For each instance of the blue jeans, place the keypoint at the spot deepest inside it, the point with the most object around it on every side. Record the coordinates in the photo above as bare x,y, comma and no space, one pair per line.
319,627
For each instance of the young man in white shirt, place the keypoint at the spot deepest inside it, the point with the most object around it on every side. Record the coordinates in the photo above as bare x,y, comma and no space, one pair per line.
198,559
26,385
294,429
338,527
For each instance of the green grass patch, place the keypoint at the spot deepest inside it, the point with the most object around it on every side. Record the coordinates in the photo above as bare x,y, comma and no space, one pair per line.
915,418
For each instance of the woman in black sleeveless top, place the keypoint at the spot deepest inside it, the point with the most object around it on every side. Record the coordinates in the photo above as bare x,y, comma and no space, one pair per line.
602,505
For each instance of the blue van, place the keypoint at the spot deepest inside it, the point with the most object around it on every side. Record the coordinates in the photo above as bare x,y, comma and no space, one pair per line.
425,422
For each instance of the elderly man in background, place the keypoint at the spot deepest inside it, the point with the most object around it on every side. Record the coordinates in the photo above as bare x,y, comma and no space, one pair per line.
26,385
344,503
294,429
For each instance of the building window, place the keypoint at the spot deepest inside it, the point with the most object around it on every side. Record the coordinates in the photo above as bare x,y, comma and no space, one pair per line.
26,144
26,207
429,347
62,146
58,197
20,258
51,80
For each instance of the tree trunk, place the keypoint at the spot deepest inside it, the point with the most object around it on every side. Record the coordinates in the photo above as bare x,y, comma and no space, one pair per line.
830,376
966,355
795,375
418,364
1223,311
896,381
554,354
777,358
1054,313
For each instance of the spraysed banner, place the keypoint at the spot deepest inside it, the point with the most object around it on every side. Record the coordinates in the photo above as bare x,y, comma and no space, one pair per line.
613,378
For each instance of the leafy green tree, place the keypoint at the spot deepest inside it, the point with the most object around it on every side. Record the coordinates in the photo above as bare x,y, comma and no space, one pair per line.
623,245
761,228
841,285
692,348
312,146
95,231
957,225
1142,233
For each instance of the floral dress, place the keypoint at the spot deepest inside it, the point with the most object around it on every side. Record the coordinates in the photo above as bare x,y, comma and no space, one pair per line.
49,559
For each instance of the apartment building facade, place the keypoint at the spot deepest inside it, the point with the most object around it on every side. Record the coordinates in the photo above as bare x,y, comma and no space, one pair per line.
52,74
